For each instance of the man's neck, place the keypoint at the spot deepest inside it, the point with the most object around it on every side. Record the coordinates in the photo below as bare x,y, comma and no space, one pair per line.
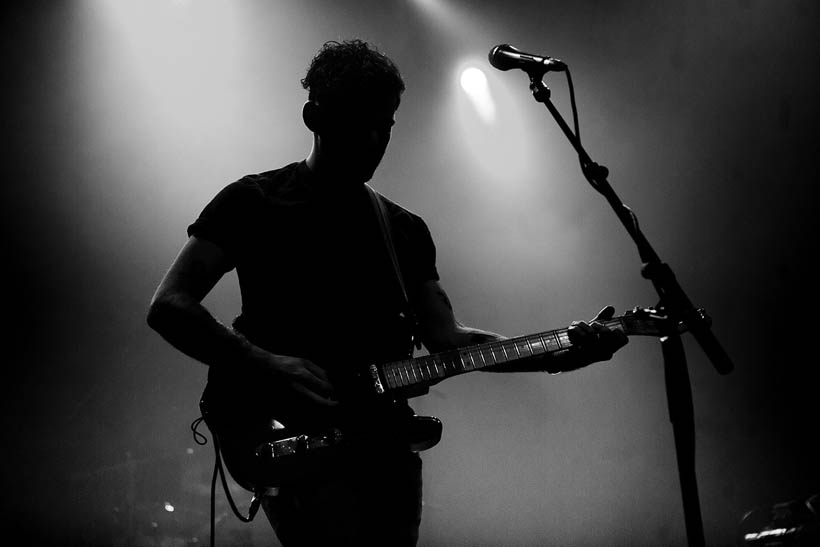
325,180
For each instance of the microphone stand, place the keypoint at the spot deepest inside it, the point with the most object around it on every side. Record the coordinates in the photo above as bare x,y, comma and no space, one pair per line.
679,310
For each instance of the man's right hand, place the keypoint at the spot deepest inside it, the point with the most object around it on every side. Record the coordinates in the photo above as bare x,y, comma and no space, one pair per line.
303,379
301,389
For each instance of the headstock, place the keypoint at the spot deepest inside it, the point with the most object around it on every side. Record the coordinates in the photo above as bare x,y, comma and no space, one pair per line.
654,321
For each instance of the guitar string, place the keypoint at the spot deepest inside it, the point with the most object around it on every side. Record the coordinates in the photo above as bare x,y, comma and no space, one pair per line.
409,372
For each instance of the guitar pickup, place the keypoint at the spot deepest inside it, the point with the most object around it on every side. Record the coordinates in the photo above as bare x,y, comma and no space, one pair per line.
298,445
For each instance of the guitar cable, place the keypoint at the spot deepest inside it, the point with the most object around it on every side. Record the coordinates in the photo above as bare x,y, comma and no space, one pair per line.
256,501
592,171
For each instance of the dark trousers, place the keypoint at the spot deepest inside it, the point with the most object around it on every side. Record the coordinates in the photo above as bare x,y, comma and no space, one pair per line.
364,499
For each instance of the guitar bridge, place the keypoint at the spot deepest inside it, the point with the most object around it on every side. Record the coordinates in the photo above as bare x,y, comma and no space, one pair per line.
377,382
298,445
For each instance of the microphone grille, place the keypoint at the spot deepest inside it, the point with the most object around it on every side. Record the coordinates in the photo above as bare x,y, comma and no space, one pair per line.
498,59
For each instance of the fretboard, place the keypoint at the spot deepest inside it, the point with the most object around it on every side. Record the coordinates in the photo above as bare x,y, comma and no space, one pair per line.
437,366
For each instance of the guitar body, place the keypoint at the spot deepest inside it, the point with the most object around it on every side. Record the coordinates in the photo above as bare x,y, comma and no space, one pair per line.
264,446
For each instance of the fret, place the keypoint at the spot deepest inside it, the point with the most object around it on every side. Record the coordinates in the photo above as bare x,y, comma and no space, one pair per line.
518,353
390,374
546,340
481,354
439,372
390,370
498,353
563,339
396,374
549,342
443,361
537,346
473,362
470,360
426,370
516,344
414,371
464,359
527,340
506,357
556,341
521,347
405,379
479,358
450,363
488,350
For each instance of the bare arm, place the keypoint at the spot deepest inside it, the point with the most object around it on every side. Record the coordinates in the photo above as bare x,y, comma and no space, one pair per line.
177,314
439,328
440,331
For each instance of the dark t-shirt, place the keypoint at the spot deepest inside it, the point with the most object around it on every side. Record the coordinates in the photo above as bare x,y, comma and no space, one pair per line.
314,273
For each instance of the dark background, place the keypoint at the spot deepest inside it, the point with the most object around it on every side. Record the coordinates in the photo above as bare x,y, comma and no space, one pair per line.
122,119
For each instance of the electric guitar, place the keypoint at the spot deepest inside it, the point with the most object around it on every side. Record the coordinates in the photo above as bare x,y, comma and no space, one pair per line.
264,447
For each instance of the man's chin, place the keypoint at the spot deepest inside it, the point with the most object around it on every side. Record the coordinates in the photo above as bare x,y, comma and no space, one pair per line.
358,176
363,176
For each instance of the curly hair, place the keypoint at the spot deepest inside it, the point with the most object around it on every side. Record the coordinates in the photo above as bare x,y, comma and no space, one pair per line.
351,70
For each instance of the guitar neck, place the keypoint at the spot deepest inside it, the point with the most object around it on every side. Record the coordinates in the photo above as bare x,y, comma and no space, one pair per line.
438,366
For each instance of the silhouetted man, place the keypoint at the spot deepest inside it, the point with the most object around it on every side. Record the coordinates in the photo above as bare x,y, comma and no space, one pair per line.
320,299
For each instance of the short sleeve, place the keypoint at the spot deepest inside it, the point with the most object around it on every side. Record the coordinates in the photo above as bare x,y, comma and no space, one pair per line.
225,219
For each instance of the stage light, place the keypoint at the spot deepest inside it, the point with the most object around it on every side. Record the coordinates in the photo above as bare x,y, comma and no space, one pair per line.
169,507
473,80
474,83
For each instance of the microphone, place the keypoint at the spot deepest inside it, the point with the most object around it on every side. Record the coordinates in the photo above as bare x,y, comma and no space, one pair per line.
505,57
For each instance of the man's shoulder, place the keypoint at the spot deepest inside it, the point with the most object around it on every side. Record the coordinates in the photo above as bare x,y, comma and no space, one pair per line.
399,212
277,187
274,181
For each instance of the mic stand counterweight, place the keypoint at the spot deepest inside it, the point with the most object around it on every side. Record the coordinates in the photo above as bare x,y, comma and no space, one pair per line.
679,309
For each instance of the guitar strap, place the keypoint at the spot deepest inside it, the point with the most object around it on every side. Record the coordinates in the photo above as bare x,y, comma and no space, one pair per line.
386,229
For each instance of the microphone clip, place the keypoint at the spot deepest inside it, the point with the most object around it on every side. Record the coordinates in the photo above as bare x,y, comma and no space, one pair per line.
539,89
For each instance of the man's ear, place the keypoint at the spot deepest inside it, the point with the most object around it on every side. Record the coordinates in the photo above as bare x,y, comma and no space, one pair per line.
312,116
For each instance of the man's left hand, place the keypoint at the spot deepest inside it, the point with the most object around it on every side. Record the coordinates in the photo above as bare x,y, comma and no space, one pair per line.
594,341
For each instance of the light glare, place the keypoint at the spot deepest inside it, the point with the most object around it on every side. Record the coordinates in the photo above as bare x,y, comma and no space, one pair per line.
474,83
